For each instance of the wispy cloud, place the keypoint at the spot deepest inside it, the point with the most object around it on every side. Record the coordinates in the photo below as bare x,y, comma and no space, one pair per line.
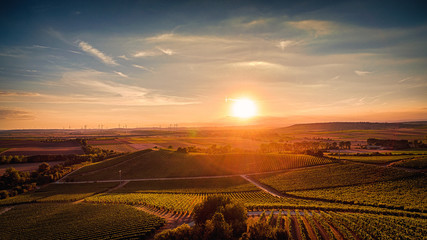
316,27
142,67
362,73
146,54
166,51
96,53
12,93
257,64
123,57
284,44
11,114
121,74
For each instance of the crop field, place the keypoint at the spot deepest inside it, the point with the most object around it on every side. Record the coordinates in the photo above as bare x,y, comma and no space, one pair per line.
59,192
33,147
415,162
258,200
333,175
77,221
192,139
408,194
162,163
374,159
308,224
25,167
208,185
120,148
366,197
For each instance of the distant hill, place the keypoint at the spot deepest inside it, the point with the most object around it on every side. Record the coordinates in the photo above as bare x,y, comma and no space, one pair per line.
341,126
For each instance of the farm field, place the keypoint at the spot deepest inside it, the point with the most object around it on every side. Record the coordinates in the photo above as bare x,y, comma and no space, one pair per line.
303,224
374,159
165,163
25,167
409,194
415,162
334,175
77,221
209,185
59,193
366,197
34,147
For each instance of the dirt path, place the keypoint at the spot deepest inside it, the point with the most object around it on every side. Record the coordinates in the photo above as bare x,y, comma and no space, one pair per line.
117,187
6,210
296,228
263,187
321,230
310,231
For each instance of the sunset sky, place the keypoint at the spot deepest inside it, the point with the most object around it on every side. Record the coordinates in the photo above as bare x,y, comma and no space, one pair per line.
144,63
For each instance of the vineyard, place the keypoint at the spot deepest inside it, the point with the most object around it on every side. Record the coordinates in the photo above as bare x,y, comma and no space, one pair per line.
331,176
305,224
254,201
163,163
409,194
77,221
374,159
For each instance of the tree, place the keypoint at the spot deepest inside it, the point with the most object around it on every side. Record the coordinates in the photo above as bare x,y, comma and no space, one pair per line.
205,210
182,232
218,228
44,167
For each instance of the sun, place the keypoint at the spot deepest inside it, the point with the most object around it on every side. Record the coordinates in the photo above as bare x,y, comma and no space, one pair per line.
243,108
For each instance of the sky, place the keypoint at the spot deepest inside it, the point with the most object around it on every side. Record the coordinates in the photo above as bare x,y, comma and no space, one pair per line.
70,64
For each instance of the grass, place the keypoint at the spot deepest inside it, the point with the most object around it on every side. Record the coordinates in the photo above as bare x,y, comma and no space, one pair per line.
59,192
212,185
163,163
417,163
331,176
77,221
121,148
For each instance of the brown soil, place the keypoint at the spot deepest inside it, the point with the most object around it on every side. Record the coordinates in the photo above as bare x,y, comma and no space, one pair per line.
310,231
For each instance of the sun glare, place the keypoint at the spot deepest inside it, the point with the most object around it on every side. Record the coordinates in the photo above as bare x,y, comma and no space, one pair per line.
243,108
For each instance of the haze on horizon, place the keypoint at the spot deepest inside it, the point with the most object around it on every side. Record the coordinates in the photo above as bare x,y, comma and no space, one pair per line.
143,63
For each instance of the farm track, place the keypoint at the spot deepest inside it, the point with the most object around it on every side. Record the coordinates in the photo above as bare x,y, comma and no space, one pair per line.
263,187
6,209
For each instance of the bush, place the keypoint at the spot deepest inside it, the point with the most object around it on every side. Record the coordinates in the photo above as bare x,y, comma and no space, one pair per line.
218,228
205,210
182,232
4,194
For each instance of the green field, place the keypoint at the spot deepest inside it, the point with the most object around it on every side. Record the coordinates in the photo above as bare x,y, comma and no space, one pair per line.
331,225
416,163
209,185
77,221
331,176
60,192
410,194
163,163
